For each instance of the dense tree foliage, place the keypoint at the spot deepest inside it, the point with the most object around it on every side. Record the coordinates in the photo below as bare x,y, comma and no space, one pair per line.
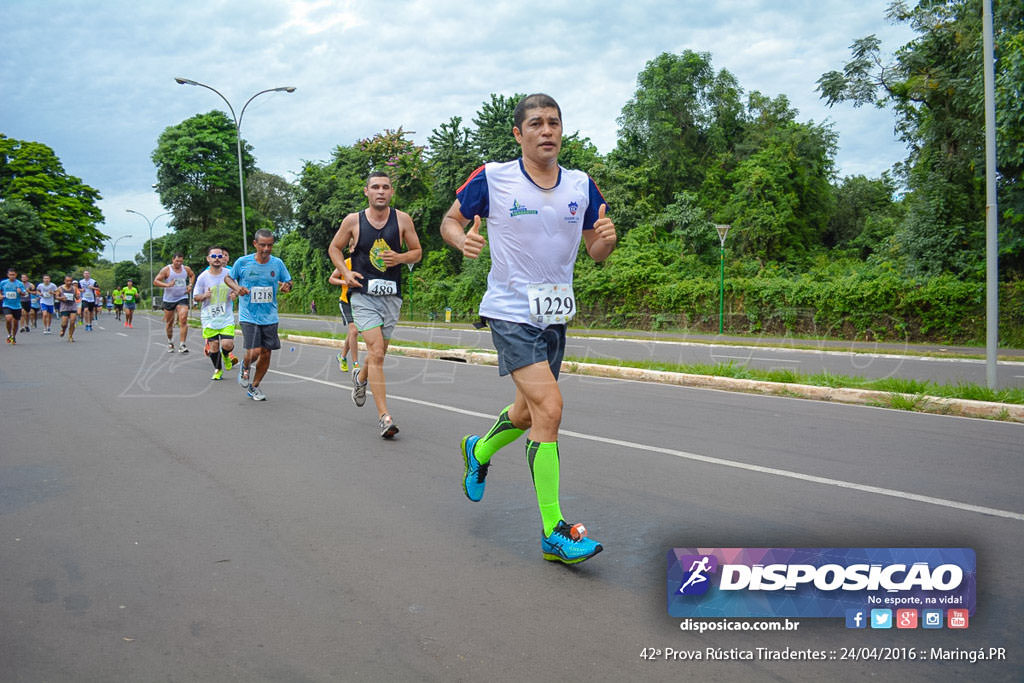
935,88
48,217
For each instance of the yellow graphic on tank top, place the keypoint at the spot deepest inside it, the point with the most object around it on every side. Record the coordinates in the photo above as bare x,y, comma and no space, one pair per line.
375,258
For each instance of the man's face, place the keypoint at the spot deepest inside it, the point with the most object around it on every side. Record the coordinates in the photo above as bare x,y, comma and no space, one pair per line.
85,274
379,191
263,246
177,261
12,274
541,135
68,280
24,277
129,284
216,257
46,279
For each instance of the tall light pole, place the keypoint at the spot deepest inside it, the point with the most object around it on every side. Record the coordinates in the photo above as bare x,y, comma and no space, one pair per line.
166,213
723,230
113,248
238,140
991,205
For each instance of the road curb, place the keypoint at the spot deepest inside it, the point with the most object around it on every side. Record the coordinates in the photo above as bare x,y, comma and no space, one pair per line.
885,399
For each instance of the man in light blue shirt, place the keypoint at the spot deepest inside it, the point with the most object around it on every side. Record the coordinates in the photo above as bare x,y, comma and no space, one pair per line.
11,289
260,277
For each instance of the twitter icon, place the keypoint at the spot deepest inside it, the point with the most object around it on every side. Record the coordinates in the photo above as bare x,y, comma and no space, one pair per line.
881,618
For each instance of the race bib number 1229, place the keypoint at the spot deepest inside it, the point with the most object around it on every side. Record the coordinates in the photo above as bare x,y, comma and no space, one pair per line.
551,304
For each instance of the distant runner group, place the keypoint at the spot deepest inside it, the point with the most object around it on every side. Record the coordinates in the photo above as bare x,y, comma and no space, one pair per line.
536,212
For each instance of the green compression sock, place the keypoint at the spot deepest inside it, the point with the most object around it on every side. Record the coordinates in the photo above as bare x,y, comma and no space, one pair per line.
543,459
500,435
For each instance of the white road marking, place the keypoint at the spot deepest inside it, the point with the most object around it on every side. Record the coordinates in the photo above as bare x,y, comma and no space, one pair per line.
864,488
771,360
121,334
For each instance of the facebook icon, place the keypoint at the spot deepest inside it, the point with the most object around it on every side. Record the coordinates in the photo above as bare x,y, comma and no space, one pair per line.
856,618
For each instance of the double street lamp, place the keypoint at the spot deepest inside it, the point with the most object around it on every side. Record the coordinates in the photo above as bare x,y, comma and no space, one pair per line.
238,140
166,213
113,249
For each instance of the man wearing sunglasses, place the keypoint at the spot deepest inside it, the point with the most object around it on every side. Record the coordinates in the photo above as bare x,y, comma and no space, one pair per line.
217,291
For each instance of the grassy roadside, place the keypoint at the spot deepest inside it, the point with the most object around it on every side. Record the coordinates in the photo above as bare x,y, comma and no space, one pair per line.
971,392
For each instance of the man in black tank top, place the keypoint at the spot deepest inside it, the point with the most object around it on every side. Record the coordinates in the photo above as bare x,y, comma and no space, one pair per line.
375,283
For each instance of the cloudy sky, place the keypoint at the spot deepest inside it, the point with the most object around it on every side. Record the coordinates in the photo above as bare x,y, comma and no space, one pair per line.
94,79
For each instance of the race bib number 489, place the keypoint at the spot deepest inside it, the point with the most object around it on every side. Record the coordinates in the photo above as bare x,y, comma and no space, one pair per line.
551,304
380,287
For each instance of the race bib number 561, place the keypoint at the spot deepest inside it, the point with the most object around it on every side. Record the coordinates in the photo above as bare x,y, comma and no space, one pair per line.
551,304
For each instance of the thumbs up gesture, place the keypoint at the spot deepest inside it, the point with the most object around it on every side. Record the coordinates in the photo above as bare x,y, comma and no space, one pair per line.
604,228
474,242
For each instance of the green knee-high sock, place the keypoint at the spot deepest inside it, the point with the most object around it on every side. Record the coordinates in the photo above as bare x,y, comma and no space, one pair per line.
543,459
500,435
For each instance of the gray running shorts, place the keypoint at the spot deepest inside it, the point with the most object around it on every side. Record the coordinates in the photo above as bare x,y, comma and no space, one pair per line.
369,312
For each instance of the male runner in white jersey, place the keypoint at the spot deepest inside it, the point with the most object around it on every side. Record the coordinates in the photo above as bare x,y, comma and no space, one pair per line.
177,280
536,214
215,288
46,288
375,283
89,290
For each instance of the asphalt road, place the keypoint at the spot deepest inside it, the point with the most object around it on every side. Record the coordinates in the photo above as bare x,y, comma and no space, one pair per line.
155,525
875,361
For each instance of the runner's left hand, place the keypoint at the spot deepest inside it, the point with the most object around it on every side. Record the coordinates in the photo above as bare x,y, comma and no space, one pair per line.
604,228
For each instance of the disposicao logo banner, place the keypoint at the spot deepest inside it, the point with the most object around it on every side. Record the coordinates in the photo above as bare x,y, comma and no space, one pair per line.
816,582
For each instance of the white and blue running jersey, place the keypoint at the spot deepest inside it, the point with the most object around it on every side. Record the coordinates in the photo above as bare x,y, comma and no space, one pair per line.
533,233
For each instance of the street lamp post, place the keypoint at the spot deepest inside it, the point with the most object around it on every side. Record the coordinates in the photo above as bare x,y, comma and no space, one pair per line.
166,213
113,248
723,230
238,140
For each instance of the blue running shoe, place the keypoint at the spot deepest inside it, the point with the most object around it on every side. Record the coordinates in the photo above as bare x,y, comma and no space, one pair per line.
473,483
568,543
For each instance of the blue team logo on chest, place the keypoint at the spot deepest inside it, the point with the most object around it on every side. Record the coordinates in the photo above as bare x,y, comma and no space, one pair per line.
574,216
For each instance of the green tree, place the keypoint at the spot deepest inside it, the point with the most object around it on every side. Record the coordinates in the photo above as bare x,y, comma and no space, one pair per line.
23,241
865,215
125,270
682,115
272,198
494,120
197,180
934,85
64,206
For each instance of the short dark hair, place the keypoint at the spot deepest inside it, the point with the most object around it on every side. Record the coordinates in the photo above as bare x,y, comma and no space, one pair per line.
178,254
263,233
214,246
377,174
537,100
